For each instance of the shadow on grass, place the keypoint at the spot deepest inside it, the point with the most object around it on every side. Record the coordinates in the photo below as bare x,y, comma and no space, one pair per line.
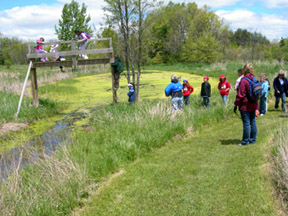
230,141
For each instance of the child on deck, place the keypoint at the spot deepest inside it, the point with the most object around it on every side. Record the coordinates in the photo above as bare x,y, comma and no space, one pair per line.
39,48
83,40
187,90
53,49
206,92
224,87
264,94
131,93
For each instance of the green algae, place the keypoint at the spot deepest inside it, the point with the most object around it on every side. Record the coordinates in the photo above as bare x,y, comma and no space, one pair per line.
81,94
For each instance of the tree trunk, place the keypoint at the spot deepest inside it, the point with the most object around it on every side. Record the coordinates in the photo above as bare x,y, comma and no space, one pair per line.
139,51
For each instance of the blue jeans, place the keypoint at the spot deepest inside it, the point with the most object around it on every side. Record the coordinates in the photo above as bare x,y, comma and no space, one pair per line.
224,98
283,97
262,105
249,127
177,103
206,102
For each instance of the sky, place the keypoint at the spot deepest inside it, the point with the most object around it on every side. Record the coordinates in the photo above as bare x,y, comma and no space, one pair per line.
31,19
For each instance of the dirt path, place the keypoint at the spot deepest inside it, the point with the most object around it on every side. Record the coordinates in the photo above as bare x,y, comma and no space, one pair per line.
204,175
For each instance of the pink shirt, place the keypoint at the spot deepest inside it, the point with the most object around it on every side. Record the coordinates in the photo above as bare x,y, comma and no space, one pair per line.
39,46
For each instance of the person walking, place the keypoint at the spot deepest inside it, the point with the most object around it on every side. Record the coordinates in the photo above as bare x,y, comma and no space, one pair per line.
187,90
174,89
206,92
247,107
280,85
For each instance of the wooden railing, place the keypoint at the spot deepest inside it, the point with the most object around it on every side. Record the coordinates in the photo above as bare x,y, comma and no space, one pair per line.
32,55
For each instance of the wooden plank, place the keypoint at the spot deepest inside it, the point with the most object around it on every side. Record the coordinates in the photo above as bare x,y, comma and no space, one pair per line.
70,53
69,63
34,87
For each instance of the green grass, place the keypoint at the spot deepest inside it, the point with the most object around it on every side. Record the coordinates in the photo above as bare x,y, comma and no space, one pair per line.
207,174
28,114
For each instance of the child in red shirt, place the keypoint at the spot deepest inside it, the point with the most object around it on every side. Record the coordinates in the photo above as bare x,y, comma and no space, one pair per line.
187,90
224,87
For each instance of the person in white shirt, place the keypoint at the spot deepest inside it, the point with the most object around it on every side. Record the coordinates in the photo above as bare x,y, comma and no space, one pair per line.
240,75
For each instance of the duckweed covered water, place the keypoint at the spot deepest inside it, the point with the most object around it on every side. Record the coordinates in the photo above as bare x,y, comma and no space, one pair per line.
80,94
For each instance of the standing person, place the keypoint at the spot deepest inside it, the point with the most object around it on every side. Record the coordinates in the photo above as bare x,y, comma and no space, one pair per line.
224,87
264,94
240,76
131,93
247,107
174,89
280,85
187,90
39,48
53,49
83,40
206,92
118,69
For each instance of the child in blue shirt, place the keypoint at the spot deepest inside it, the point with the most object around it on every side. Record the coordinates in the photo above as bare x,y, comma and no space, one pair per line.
131,93
264,95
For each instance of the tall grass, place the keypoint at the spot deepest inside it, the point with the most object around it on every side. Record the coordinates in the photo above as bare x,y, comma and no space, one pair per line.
115,136
280,156
28,114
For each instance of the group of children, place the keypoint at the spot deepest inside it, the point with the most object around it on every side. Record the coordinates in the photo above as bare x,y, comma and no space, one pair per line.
178,91
82,38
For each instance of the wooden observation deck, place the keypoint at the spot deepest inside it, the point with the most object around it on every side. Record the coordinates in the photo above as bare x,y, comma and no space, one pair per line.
73,60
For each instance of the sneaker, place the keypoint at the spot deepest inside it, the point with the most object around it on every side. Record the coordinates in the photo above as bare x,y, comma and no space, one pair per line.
242,144
262,114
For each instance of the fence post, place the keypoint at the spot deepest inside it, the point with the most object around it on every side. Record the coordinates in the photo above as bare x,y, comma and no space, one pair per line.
74,64
34,87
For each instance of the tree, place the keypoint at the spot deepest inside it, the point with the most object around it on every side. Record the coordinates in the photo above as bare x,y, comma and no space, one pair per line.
73,17
120,14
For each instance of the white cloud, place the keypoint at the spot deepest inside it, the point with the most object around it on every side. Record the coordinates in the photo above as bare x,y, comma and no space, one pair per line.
213,4
275,3
272,26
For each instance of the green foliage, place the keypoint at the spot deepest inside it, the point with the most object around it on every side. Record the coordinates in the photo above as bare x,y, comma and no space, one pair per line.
73,18
8,63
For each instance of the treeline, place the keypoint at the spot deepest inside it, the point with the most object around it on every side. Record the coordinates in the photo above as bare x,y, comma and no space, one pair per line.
160,33
187,33
12,51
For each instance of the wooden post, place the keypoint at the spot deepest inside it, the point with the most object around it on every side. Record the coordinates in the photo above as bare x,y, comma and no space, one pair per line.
34,87
114,89
74,67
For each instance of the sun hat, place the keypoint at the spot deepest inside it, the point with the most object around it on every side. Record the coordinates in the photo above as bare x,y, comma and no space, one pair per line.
185,80
281,72
129,84
173,77
206,77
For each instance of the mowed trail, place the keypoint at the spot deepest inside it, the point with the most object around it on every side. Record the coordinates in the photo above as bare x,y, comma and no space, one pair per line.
204,174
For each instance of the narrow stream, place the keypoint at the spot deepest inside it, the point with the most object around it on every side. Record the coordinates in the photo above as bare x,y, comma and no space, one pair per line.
39,146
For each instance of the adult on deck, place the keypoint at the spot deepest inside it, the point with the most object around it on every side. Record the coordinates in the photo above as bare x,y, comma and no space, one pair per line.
174,89
280,85
246,107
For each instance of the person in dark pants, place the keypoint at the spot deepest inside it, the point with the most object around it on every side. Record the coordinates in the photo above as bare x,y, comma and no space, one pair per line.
247,108
187,90
174,89
118,69
280,85
206,92
131,93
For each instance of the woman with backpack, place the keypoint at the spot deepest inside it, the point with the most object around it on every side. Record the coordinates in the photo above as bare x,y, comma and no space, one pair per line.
280,85
247,106
82,38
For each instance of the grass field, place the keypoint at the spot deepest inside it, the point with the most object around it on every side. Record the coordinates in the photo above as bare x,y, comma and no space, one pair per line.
184,164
